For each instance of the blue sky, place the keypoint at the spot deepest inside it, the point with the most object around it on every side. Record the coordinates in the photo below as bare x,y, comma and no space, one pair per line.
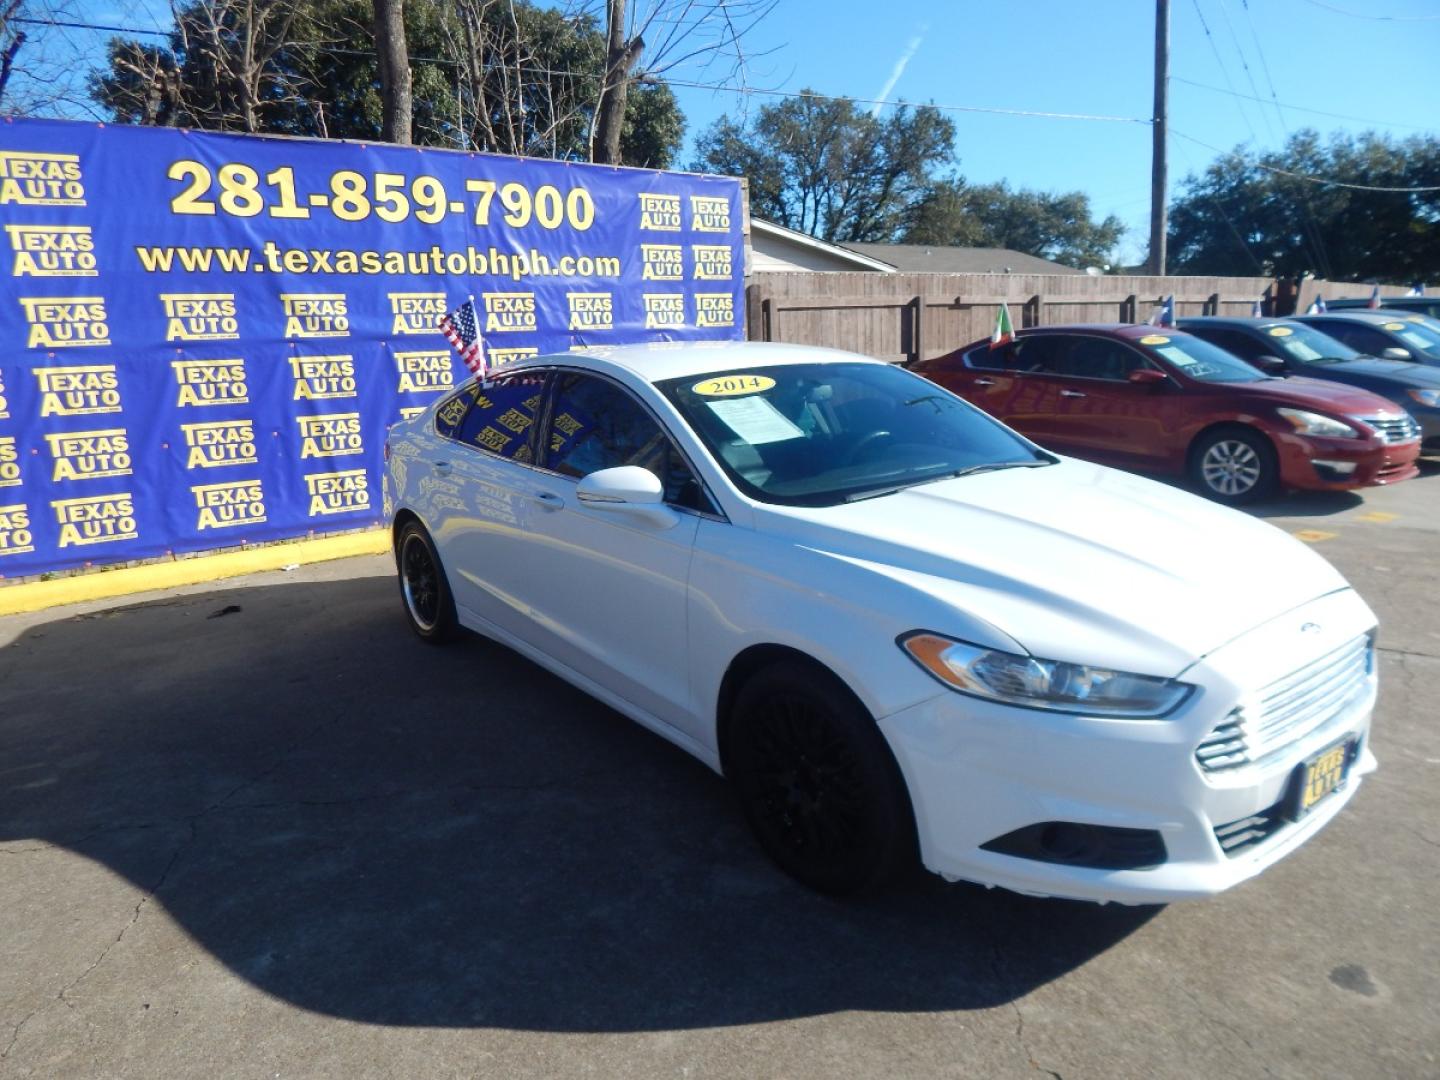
1380,63
1097,57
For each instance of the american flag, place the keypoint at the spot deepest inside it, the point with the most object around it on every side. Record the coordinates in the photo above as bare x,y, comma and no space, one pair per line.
461,328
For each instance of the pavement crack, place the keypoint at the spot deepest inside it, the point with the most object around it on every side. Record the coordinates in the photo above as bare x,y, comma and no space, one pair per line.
1420,836
1406,652
1003,984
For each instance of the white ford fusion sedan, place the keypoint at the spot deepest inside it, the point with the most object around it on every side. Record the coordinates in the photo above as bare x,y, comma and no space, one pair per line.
901,629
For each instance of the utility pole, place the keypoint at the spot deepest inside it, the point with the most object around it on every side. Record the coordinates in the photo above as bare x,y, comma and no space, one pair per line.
1158,130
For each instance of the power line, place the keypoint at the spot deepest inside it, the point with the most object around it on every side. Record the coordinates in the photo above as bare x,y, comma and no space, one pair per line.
1296,108
1214,48
1319,180
1244,63
1376,18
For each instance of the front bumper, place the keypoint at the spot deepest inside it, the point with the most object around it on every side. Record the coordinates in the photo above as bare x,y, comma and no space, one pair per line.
977,771
1303,457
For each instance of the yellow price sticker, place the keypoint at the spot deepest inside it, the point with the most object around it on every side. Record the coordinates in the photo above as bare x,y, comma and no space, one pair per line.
1154,339
733,385
1280,331
1394,326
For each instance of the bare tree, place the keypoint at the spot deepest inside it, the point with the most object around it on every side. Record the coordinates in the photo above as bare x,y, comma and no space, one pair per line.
706,34
232,45
395,78
43,64
12,39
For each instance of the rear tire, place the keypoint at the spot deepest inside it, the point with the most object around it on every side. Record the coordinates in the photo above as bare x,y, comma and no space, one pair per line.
424,592
1234,466
817,781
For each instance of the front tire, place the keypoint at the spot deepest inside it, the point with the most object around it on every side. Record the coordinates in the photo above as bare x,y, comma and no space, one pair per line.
1234,466
817,781
424,592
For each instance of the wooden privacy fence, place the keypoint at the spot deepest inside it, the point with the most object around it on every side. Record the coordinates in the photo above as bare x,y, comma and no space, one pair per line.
909,317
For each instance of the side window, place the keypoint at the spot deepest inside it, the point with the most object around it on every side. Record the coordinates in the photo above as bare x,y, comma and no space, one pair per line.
501,416
1234,342
1039,355
595,425
451,412
984,358
1099,358
1357,337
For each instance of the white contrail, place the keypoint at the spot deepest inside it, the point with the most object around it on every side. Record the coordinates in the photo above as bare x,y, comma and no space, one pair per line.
899,69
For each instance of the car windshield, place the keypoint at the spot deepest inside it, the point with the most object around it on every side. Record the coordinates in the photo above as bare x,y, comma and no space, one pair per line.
1418,332
822,434
1306,344
1198,359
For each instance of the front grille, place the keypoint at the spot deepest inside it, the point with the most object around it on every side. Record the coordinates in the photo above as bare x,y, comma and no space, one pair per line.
1241,835
1394,429
1288,709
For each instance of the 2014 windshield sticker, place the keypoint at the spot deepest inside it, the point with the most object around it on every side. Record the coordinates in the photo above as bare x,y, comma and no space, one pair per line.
733,385
1394,326
1280,331
1154,339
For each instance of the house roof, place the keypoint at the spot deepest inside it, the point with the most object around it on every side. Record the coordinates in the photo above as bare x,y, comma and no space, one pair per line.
920,258
859,259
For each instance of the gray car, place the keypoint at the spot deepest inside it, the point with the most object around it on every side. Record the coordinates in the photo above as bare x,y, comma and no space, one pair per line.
1391,335
1291,348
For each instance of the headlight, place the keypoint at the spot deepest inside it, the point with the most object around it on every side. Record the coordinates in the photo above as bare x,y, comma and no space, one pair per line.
1313,423
1426,397
1042,684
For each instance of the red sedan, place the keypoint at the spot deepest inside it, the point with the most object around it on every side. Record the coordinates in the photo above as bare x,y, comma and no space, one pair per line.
1162,401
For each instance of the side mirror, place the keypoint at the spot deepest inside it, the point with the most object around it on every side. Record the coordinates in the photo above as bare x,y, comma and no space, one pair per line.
630,490
1271,365
1147,377
1395,352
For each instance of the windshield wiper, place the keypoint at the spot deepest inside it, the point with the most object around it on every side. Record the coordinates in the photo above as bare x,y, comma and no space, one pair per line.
995,466
968,470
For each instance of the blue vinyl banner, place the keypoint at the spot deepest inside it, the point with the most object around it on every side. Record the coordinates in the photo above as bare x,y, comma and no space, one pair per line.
203,337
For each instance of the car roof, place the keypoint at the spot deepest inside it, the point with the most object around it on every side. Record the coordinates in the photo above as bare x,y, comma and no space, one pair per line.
1365,315
1120,330
1247,322
662,360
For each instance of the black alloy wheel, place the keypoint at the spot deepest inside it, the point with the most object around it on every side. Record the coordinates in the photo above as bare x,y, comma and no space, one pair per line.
817,781
429,607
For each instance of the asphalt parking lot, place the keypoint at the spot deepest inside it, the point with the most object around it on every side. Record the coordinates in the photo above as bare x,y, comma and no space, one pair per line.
256,829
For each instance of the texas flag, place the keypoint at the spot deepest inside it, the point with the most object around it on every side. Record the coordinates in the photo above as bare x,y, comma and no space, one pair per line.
1374,298
1317,306
1257,309
1004,331
1164,315
1418,289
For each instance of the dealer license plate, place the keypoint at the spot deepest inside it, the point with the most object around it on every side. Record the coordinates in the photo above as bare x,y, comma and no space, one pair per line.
1319,777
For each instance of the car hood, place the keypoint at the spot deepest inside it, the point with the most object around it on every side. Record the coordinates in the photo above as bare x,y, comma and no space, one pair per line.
1400,372
1073,562
1332,397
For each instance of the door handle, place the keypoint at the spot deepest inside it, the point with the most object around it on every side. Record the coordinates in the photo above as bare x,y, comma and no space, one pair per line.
1071,393
984,382
549,500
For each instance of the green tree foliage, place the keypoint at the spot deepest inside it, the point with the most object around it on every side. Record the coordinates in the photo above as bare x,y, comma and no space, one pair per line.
1053,226
511,78
824,167
1243,215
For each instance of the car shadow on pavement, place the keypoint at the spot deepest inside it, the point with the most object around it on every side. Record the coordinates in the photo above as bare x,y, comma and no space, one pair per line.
373,829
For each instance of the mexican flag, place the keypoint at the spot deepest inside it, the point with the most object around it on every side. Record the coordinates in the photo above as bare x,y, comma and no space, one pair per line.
1004,332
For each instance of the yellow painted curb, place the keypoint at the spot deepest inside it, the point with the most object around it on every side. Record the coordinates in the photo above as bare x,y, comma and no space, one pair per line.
38,595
